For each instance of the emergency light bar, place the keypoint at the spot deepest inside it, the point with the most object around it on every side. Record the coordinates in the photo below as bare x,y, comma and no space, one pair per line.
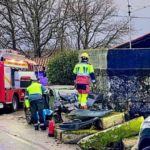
4,51
11,54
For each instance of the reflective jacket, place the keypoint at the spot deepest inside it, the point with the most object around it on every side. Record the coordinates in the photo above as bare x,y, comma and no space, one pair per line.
82,73
35,91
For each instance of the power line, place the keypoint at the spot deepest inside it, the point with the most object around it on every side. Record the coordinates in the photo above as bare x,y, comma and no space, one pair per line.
131,17
133,6
129,12
119,7
142,8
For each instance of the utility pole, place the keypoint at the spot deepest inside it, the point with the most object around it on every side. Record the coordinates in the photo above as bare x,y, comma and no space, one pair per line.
129,12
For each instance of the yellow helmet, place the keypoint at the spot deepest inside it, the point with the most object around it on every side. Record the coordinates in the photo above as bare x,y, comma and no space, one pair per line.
85,55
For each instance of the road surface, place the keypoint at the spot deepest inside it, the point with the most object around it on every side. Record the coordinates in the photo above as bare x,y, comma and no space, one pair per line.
16,134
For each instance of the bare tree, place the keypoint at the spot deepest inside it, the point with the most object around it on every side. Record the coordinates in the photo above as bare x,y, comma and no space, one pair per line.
38,21
62,41
9,32
7,25
44,26
92,23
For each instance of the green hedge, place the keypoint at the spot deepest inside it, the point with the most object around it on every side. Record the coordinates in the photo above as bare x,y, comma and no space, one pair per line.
60,68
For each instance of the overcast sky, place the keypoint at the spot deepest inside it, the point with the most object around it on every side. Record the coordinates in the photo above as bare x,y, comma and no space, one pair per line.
140,24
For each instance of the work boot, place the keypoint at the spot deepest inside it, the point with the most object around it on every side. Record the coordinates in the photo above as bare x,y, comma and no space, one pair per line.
43,127
36,128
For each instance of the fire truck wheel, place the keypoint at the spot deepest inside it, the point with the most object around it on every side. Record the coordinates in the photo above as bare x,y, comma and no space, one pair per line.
14,105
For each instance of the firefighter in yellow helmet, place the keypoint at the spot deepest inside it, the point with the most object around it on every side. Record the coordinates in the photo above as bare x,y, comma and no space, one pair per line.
82,73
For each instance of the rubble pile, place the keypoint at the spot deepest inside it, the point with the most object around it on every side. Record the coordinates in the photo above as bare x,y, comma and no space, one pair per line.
114,132
110,130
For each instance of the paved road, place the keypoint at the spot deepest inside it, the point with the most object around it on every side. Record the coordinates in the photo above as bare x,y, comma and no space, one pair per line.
16,134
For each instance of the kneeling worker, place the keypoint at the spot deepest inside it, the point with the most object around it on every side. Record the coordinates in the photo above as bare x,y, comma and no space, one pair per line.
82,73
34,93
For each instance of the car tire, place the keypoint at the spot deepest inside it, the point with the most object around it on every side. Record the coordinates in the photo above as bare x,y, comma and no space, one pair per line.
28,116
14,105
57,118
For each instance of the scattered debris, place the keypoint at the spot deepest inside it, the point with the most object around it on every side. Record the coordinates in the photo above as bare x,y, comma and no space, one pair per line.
77,124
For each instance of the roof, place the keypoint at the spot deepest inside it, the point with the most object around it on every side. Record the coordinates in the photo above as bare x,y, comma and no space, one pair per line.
41,62
29,61
140,42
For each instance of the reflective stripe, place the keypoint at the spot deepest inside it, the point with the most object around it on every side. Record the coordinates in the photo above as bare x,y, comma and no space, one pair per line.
83,74
93,80
36,93
36,124
77,69
84,69
83,104
41,124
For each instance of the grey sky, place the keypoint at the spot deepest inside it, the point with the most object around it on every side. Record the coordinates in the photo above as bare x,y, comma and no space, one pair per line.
141,25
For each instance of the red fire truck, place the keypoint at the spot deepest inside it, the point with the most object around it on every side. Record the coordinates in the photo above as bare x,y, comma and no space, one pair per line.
15,74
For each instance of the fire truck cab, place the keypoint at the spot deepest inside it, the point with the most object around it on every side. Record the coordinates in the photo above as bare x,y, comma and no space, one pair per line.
16,73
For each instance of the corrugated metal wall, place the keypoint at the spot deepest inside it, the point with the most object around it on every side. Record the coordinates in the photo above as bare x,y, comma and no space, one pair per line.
41,62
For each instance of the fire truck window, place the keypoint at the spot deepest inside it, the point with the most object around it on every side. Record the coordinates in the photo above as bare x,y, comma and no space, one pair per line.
13,75
24,69
35,68
29,67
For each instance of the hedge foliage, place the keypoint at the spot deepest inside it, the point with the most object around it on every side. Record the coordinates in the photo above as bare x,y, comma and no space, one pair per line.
60,68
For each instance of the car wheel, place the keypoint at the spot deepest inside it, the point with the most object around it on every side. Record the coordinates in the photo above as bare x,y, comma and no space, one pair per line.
14,105
28,116
57,118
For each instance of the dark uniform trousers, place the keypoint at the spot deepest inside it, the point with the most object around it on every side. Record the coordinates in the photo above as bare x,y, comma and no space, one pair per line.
37,105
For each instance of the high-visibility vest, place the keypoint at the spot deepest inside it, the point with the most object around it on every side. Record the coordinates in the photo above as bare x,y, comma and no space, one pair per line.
34,88
83,69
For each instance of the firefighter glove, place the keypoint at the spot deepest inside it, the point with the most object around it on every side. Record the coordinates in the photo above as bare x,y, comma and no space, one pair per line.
94,85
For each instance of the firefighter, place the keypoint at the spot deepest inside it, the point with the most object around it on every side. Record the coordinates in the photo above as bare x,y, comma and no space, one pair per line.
82,73
34,93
